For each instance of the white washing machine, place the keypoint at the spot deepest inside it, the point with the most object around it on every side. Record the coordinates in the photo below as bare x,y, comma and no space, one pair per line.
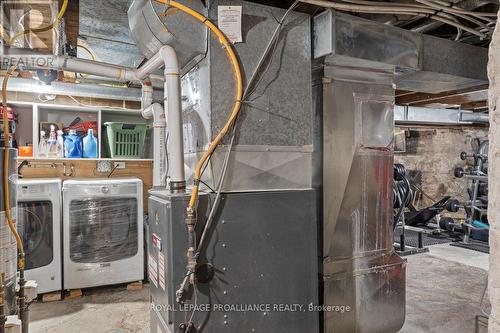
39,223
102,232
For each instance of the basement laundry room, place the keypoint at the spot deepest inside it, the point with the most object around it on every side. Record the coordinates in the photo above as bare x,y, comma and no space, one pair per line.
208,166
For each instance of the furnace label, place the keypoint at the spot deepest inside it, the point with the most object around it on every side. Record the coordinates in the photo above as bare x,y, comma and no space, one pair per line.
153,270
230,22
161,270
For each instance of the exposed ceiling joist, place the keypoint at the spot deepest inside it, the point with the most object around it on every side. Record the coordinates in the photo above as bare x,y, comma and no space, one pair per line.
469,99
72,22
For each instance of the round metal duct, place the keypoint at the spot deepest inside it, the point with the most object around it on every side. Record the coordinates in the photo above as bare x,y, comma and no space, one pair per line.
154,24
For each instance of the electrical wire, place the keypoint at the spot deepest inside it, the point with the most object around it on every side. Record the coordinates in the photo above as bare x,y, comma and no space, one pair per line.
102,107
222,177
457,13
220,185
433,13
272,42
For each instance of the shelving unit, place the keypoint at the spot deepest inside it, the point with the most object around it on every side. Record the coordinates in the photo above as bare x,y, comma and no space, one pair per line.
31,114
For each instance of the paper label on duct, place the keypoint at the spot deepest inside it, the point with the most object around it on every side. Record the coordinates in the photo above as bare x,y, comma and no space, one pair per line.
161,270
153,270
230,22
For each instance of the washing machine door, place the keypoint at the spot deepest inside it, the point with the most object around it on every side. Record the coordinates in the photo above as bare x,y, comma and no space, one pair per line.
103,229
35,226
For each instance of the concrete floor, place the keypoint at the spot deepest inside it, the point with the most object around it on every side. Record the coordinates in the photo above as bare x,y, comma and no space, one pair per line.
443,295
110,310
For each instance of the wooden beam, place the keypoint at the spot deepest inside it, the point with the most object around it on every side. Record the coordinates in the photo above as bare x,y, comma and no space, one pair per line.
72,29
457,97
72,22
476,106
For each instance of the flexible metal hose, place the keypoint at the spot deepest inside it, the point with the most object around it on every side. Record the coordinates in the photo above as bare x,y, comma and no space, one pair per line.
403,194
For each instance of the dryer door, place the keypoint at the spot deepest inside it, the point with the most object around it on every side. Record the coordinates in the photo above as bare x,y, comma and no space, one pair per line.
103,229
35,225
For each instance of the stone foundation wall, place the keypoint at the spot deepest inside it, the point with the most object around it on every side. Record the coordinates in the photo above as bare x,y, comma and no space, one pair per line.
431,155
494,181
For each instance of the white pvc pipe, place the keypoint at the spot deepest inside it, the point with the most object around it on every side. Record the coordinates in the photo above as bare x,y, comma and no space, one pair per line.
166,57
90,67
173,112
156,112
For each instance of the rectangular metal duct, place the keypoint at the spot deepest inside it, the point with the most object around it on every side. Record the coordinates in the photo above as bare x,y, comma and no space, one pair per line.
423,63
360,268
428,116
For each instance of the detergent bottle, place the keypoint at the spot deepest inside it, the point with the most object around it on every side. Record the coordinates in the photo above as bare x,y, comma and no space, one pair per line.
90,145
72,145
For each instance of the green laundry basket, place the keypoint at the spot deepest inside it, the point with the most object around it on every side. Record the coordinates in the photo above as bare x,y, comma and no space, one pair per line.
125,140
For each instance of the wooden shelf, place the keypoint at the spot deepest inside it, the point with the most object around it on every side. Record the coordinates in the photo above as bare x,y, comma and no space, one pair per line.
84,159
31,114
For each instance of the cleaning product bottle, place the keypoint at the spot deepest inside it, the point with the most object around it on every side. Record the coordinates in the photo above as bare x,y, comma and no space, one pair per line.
52,143
72,145
60,144
90,145
42,146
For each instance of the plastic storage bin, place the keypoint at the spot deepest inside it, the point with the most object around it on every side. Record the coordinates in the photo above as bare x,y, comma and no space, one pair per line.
125,140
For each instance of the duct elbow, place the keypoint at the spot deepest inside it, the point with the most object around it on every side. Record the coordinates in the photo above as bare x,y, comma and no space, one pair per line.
147,95
155,111
169,56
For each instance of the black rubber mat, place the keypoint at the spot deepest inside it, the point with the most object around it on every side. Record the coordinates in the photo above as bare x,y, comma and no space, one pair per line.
474,245
411,238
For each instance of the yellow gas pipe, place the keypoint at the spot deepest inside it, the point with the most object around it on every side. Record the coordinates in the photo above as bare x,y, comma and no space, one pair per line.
237,104
6,196
9,40
8,215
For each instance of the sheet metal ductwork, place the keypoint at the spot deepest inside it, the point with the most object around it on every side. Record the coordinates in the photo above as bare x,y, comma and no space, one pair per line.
275,140
356,100
153,25
337,138
423,63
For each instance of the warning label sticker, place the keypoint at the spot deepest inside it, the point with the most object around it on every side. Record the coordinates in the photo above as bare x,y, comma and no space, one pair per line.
153,270
230,22
161,270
